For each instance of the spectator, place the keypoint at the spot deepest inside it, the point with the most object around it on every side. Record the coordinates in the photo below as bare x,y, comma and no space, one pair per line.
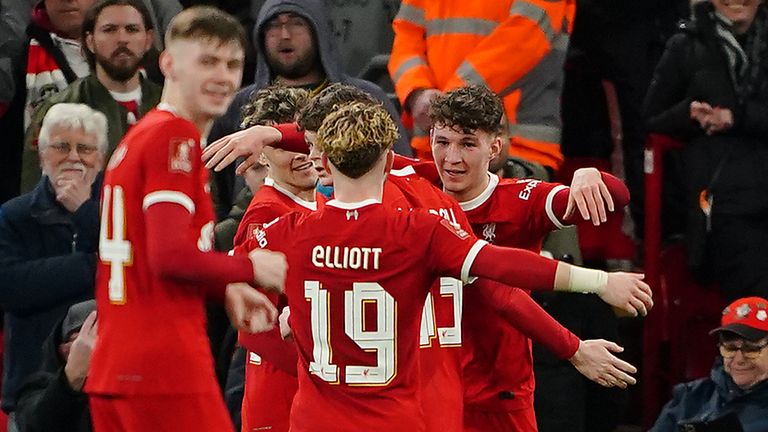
516,48
362,29
51,59
52,400
296,50
117,35
711,90
14,16
48,239
735,396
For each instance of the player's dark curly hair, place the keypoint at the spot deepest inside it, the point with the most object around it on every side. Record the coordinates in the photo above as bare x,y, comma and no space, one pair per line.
329,100
468,109
274,104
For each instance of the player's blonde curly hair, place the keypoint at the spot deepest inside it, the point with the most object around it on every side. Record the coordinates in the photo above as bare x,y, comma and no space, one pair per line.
355,136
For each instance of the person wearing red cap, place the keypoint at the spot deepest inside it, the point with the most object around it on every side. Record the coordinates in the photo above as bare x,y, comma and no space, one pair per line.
735,396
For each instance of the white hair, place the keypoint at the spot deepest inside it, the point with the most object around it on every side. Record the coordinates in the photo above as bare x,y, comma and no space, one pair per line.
74,116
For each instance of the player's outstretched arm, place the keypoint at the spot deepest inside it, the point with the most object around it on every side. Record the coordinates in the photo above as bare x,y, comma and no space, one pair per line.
249,310
594,360
521,312
248,143
594,194
527,270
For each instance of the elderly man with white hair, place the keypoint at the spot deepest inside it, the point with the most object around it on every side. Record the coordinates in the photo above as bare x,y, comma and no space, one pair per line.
49,238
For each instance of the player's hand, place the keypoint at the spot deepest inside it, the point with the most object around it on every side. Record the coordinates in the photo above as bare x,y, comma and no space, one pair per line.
628,291
72,191
590,195
246,143
594,360
269,268
285,328
249,310
79,358
420,108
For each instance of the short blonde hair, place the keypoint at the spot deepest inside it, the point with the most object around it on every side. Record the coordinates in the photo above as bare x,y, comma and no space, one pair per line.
74,116
205,22
355,136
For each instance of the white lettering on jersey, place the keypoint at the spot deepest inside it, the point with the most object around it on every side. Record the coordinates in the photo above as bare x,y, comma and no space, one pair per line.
352,214
526,193
354,258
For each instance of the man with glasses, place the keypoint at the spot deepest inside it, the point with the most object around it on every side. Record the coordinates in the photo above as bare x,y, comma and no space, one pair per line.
48,239
735,396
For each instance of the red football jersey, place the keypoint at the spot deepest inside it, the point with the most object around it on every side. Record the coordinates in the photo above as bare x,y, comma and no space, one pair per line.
359,276
498,367
269,390
440,340
152,330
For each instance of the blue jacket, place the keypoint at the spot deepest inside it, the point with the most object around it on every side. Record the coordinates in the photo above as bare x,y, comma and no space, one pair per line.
47,263
710,398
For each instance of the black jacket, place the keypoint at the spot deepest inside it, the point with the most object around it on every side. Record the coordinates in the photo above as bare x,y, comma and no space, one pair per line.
46,402
695,68
47,263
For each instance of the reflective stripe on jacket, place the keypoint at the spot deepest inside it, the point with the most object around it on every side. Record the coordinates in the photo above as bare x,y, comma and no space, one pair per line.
515,47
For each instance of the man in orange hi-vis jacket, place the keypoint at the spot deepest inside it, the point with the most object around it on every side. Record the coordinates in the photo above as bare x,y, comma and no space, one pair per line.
515,47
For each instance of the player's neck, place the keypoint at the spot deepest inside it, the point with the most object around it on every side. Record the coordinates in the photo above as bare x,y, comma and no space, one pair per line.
304,194
176,100
360,189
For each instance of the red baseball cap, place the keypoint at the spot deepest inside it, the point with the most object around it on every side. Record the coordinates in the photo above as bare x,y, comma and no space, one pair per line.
746,317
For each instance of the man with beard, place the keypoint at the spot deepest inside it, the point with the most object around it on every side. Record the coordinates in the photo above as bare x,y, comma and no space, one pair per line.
116,34
296,49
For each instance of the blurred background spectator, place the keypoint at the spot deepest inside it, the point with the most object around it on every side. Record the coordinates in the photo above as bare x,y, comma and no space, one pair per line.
710,90
118,36
52,399
735,396
48,239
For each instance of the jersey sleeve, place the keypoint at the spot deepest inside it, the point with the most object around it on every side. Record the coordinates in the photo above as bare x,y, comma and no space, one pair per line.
254,219
521,312
173,165
536,197
452,249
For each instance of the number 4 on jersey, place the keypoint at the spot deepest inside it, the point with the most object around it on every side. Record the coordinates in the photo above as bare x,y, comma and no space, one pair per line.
116,251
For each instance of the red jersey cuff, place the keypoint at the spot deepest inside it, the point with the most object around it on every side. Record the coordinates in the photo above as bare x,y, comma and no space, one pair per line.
293,138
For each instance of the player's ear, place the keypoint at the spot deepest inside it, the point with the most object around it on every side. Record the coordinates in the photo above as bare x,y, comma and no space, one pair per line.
390,160
166,63
495,146
326,164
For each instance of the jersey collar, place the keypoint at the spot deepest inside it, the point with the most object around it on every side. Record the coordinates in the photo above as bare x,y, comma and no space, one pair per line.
493,181
302,202
352,205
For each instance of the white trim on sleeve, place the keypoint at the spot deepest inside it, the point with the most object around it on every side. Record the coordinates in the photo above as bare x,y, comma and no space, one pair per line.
470,259
174,197
548,206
